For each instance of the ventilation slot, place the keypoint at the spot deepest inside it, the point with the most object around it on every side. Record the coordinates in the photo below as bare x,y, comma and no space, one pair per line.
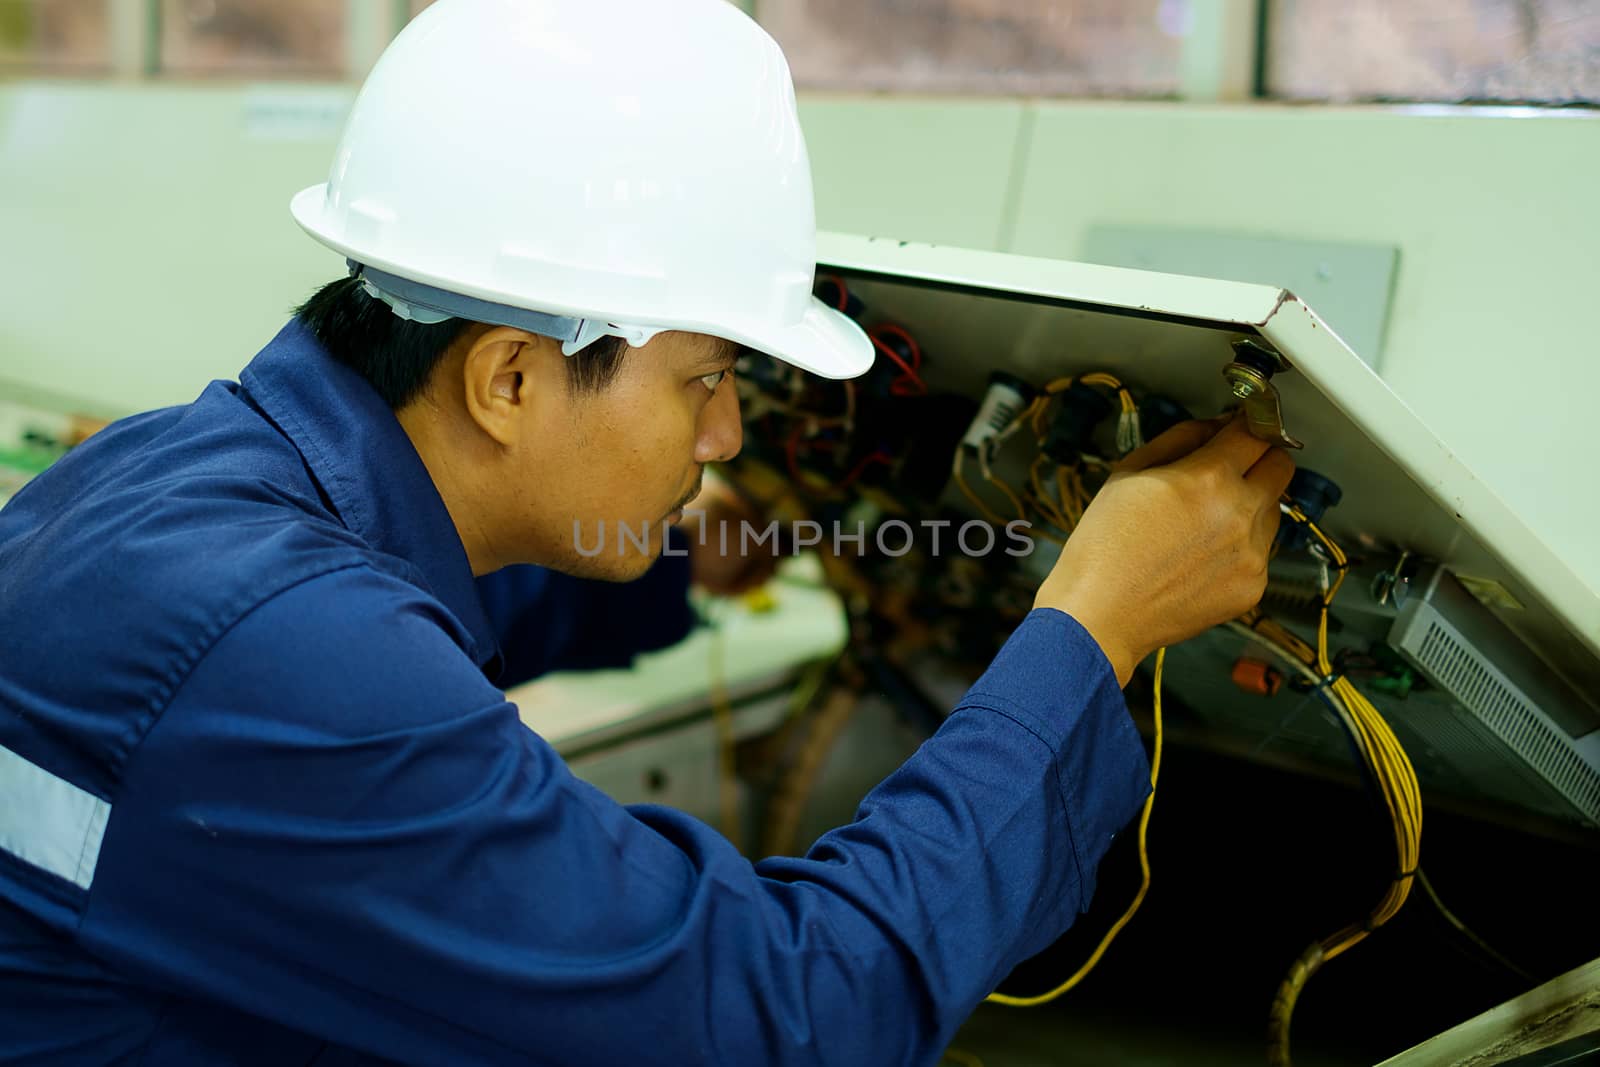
1480,689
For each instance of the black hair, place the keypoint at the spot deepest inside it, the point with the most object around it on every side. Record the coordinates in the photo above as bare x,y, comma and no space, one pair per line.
397,356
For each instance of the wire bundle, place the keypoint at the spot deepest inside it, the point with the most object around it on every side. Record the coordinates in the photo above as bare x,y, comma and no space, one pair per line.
1384,762
834,433
1062,503
1129,434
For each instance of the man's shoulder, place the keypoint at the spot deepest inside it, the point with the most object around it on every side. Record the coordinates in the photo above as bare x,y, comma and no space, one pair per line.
122,568
206,504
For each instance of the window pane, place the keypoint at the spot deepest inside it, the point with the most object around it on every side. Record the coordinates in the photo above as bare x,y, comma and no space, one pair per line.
1035,47
253,38
54,35
1448,50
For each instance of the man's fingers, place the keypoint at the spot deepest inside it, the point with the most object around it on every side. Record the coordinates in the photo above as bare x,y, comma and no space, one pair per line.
1269,478
1171,446
1235,446
1271,473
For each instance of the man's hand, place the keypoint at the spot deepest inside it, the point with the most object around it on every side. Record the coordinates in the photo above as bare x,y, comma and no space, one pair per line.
724,573
1175,542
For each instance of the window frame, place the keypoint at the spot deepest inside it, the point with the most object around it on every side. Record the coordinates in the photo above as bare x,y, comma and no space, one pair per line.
1225,57
133,30
1263,89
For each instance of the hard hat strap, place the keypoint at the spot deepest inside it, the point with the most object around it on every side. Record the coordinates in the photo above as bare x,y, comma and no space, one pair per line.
417,302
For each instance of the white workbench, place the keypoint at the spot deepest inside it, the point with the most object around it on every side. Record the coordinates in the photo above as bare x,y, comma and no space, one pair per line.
647,734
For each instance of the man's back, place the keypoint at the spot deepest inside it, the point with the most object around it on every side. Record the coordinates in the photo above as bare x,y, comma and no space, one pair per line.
120,569
163,529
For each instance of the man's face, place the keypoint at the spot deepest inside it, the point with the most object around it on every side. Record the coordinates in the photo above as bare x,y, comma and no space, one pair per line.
610,469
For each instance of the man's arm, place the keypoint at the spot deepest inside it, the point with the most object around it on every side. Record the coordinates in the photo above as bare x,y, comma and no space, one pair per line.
339,825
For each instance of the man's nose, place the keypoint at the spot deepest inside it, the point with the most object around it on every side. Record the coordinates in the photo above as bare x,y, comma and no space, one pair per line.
721,429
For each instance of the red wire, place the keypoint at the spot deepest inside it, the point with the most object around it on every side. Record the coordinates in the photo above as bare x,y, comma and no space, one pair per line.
844,294
860,468
911,342
793,451
908,378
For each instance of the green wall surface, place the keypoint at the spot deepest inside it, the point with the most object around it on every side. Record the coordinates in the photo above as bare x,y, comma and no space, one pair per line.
148,243
931,170
148,246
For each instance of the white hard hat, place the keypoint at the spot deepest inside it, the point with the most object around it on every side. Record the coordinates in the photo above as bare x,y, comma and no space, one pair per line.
586,167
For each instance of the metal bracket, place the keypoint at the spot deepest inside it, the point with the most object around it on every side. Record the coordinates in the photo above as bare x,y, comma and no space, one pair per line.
1249,378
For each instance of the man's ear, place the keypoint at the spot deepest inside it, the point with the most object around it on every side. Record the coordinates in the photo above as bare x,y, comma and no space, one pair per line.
502,368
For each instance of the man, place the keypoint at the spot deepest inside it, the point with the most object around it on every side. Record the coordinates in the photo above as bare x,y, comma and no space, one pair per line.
262,800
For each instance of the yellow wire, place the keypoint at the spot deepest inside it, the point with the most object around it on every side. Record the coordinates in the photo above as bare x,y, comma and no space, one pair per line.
1392,768
1392,772
1144,868
994,446
958,474
1010,493
1072,498
1068,497
960,479
1042,502
1074,495
965,1059
1036,410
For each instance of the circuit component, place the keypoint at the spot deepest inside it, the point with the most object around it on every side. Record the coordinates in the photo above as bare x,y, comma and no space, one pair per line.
1256,677
1079,409
1007,396
1314,494
1158,414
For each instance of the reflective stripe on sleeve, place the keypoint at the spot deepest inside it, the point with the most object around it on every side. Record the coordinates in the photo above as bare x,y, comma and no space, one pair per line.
48,822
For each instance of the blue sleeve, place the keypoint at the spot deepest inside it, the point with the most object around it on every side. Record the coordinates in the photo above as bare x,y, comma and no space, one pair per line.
549,621
339,825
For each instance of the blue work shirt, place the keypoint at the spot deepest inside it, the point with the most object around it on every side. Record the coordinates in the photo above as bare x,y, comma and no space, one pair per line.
262,800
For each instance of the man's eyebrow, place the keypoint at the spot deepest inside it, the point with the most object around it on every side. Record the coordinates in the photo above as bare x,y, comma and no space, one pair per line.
724,354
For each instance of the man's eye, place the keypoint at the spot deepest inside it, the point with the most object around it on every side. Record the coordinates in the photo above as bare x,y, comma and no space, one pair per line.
711,381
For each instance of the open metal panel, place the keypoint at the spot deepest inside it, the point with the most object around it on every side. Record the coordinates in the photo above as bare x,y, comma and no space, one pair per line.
1404,491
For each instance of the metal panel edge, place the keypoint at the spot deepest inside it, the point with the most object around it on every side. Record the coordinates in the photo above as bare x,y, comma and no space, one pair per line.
1136,291
1368,402
1319,354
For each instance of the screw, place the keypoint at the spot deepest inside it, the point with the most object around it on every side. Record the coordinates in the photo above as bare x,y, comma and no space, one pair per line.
1243,388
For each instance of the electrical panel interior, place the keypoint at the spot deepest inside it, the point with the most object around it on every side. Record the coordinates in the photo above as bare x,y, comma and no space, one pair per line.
1004,388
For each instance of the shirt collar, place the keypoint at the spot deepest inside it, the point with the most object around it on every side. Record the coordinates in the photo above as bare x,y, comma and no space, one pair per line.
357,451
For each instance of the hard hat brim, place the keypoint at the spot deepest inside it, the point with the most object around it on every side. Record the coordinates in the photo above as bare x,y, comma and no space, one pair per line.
825,341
